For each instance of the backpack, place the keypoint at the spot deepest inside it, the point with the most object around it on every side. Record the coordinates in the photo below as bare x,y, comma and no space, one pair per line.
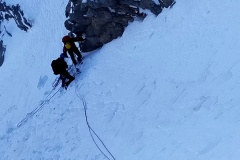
59,66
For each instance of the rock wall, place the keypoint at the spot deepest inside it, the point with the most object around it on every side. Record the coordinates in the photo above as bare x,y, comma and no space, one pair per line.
105,20
2,52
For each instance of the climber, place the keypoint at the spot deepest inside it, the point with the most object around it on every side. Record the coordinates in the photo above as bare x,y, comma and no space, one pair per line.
59,66
71,48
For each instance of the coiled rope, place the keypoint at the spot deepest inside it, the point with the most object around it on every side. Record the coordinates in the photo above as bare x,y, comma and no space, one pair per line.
91,131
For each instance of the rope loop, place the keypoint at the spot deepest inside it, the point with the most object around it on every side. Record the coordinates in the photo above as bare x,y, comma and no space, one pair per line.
91,131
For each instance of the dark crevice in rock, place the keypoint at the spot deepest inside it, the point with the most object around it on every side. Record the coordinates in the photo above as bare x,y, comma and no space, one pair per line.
105,20
7,32
2,52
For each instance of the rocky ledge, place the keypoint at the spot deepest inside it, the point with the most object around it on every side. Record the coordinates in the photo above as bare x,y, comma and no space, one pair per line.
105,20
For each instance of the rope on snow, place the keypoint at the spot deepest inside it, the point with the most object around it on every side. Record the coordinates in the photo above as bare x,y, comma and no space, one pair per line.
91,131
32,113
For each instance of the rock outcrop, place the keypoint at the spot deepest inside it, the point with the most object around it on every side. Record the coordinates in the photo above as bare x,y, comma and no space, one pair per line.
7,13
2,52
105,20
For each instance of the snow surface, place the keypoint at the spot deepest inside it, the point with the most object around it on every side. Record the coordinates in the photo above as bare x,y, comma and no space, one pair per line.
168,89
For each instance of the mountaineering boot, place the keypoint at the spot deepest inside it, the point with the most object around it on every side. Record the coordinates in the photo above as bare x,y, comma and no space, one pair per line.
79,60
66,84
74,62
78,70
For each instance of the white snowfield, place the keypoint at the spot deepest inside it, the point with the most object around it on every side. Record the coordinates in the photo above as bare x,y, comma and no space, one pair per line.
168,89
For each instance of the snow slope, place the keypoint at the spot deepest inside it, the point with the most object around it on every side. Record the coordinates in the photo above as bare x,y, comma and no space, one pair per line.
167,89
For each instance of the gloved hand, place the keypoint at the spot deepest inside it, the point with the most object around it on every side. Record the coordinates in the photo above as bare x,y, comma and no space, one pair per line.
81,38
84,36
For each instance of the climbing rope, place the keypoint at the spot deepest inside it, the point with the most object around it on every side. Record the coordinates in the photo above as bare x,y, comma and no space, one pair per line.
91,131
32,113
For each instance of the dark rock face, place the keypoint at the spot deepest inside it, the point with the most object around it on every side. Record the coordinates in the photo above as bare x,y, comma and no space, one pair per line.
2,52
7,13
105,20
